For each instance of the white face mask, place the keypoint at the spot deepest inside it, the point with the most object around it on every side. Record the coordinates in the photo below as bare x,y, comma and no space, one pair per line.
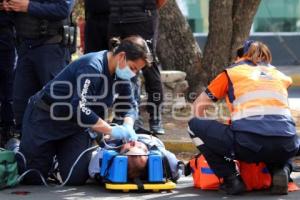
125,73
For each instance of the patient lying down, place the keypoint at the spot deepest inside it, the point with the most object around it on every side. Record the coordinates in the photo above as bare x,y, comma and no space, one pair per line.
137,154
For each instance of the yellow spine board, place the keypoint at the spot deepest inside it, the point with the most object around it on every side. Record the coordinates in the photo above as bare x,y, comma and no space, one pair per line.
147,186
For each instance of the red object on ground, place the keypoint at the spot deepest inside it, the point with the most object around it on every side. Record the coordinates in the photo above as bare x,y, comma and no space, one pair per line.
255,176
81,25
292,187
20,192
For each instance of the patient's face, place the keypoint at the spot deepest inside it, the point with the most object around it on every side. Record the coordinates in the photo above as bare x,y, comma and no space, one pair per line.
137,161
136,147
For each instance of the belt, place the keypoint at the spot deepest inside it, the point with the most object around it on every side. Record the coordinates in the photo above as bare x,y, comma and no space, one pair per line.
97,16
44,104
56,39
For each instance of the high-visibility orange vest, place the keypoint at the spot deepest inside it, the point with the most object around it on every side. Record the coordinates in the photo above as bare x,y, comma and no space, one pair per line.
258,87
257,92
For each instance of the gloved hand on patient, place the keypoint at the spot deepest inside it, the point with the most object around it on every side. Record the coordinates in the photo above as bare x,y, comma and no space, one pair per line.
124,131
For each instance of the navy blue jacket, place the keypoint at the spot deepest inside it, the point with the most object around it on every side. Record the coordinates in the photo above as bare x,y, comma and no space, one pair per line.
5,19
50,9
97,7
89,89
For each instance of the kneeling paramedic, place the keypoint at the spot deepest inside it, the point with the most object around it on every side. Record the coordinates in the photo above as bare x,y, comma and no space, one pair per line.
58,118
261,128
137,153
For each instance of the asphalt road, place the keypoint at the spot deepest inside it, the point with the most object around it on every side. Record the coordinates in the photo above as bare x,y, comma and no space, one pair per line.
92,191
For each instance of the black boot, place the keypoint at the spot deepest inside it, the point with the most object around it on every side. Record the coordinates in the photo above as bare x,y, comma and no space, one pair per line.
156,127
7,132
280,181
187,169
233,185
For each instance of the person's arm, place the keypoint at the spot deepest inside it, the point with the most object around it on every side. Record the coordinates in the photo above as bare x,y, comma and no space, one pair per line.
58,10
94,166
125,92
216,90
102,126
200,105
173,162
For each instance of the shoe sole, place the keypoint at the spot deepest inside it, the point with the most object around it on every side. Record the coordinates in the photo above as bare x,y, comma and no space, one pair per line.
157,133
280,183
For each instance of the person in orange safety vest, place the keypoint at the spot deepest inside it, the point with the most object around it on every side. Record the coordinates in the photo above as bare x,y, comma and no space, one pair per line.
261,127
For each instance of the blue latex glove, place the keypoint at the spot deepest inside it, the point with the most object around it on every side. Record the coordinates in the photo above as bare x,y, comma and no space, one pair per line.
123,132
132,133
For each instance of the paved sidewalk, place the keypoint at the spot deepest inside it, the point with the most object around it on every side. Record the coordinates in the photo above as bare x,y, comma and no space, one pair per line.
293,72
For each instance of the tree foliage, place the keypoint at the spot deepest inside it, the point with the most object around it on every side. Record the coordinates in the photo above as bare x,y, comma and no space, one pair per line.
78,10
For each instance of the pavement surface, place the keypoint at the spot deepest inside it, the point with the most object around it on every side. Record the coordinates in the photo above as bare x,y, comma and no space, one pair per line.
92,191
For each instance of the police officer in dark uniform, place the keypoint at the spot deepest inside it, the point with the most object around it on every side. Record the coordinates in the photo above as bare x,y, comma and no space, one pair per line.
96,26
7,60
41,53
140,17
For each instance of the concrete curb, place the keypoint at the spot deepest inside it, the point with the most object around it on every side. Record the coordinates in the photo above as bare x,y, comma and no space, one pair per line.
180,147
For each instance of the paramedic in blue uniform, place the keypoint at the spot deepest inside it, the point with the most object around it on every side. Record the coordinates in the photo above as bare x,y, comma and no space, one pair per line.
58,117
7,60
41,54
261,128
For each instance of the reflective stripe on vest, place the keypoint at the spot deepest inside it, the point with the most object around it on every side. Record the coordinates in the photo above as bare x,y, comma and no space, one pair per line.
259,112
260,94
258,91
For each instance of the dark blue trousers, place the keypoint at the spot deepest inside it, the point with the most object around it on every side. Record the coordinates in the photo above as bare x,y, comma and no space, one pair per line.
153,85
220,145
43,138
7,62
36,66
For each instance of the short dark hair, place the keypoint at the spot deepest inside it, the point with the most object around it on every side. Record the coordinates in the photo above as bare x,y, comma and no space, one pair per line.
135,47
136,166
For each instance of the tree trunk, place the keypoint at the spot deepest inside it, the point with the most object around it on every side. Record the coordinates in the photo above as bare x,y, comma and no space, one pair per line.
177,48
229,26
242,22
216,51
